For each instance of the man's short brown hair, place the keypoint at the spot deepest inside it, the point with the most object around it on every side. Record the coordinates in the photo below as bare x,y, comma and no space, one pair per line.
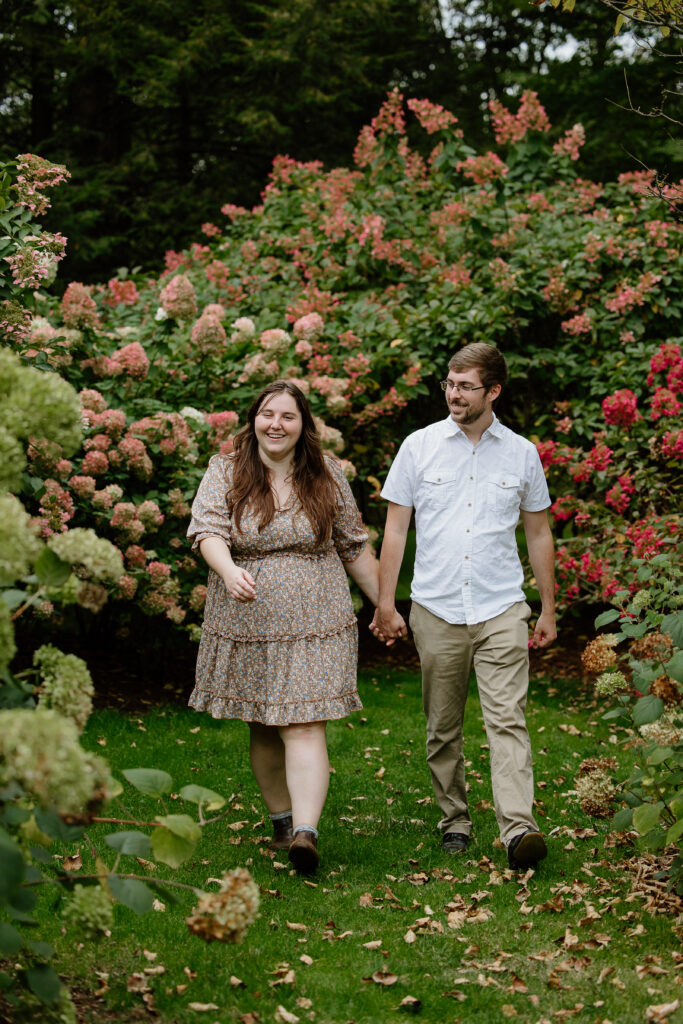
489,360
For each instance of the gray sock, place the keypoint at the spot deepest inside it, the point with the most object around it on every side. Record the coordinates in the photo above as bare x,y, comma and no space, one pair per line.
280,816
306,828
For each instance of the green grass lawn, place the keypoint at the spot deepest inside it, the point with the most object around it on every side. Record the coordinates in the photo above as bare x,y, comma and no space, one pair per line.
570,941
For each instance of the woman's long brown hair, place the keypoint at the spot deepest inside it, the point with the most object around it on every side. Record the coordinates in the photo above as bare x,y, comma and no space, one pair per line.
311,480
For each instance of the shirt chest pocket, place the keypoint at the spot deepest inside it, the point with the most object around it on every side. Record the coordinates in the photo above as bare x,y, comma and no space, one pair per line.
440,488
502,493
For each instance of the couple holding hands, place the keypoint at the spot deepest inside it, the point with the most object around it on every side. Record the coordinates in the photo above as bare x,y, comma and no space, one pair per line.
277,523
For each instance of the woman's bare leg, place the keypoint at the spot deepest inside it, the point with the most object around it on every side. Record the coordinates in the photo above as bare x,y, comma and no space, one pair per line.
267,754
307,769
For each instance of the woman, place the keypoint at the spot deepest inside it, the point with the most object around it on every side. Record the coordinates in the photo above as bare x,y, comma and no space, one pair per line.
275,520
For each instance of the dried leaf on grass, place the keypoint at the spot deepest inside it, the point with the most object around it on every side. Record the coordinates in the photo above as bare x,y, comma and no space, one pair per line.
202,1007
283,1016
657,1013
384,978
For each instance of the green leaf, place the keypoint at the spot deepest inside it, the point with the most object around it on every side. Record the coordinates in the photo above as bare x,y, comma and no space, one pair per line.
659,754
675,832
6,981
647,709
634,630
132,893
150,781
606,617
674,667
672,625
171,849
13,598
646,817
12,867
623,819
612,714
44,983
52,825
200,795
10,939
50,569
181,825
43,949
135,844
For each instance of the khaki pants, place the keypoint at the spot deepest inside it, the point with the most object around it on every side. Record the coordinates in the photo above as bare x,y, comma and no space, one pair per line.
499,651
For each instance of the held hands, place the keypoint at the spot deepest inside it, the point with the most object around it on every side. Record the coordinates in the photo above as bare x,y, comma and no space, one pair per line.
388,626
239,583
545,630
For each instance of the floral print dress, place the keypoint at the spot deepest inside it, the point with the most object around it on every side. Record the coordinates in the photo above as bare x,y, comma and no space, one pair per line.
290,655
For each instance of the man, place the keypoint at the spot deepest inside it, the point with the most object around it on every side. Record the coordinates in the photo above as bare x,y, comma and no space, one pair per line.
468,478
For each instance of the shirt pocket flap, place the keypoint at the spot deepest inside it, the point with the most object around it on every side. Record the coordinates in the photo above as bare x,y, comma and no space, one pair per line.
506,481
440,477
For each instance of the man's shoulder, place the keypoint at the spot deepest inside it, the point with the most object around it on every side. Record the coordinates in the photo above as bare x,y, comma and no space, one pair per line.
426,435
514,439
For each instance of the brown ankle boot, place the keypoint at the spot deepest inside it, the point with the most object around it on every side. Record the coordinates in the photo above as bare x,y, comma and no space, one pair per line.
303,853
282,834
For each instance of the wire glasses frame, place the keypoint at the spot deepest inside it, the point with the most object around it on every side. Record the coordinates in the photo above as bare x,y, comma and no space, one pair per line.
448,385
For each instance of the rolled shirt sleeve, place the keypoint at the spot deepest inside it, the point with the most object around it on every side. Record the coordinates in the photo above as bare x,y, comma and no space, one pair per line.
210,516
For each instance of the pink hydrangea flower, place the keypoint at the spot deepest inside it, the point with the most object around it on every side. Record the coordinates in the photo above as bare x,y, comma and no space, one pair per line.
664,403
83,486
222,424
198,598
78,307
121,293
131,359
509,127
432,117
126,587
95,463
620,408
208,335
178,298
150,514
308,328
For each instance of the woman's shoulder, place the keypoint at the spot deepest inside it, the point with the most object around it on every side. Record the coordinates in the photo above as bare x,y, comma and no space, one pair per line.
220,465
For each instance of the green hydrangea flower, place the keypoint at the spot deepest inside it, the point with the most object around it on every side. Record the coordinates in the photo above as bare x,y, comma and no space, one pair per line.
38,404
40,750
19,546
101,559
12,461
609,683
67,685
89,911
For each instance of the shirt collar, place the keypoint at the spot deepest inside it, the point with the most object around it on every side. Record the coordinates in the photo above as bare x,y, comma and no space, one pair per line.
452,429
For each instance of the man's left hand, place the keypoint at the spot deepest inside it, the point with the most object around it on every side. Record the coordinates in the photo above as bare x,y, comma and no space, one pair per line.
545,630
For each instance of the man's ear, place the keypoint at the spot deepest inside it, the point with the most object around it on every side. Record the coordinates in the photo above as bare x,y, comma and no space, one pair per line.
494,392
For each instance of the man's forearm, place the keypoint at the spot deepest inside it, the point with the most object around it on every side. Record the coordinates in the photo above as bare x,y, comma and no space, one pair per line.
542,558
393,547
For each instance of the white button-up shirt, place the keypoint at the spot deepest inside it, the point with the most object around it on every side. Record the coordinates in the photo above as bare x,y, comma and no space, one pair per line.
467,501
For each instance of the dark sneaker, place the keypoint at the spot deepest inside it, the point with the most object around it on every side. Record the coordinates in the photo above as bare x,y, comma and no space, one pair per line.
303,852
454,842
526,849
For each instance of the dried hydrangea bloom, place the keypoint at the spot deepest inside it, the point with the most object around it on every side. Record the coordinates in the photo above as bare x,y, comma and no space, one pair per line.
666,689
599,653
66,685
596,791
225,915
667,731
652,647
178,298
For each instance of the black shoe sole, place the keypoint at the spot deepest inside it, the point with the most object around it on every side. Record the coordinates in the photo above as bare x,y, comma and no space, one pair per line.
303,857
529,851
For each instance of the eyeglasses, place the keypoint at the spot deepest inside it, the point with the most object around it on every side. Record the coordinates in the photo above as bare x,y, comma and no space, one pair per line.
448,385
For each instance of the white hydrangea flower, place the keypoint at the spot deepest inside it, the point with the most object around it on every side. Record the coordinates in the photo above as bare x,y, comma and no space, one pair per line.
89,911
161,315
101,559
67,685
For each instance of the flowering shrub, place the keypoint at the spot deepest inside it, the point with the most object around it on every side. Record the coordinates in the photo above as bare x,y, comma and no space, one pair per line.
358,284
649,704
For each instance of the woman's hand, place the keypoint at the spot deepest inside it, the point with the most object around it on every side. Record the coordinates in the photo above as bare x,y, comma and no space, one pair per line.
239,583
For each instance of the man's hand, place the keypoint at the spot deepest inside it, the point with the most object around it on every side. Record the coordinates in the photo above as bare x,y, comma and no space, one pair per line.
545,630
388,626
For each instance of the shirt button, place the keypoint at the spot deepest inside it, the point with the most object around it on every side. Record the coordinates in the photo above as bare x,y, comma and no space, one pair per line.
469,504
467,583
467,531
471,478
467,556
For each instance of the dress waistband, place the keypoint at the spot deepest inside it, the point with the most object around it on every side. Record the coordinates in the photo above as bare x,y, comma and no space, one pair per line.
311,556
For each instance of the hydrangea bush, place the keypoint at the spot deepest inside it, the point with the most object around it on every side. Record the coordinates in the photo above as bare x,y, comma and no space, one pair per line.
358,284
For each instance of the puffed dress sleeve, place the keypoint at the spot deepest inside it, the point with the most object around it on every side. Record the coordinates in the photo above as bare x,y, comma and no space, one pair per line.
210,516
349,536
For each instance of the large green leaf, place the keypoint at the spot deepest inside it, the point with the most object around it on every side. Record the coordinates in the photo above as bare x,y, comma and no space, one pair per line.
672,625
675,832
49,822
171,849
200,795
10,939
136,844
606,617
150,781
659,754
50,569
44,983
132,893
623,819
12,867
674,667
647,709
646,817
181,825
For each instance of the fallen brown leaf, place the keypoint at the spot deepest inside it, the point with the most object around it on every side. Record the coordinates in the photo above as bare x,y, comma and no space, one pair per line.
384,978
202,1007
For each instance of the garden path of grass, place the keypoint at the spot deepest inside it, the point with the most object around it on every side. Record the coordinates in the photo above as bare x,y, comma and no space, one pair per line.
389,918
